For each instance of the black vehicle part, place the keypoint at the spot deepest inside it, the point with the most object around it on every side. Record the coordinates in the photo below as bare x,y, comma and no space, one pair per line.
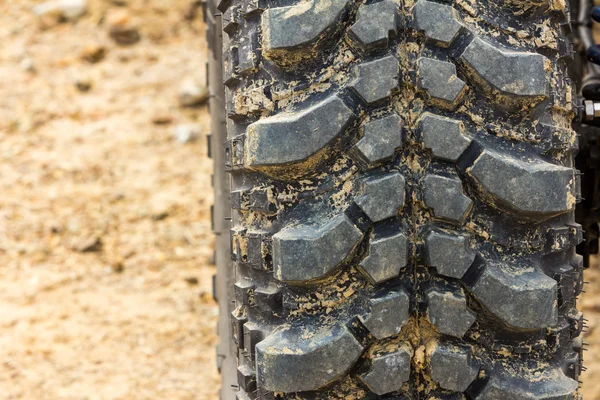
586,73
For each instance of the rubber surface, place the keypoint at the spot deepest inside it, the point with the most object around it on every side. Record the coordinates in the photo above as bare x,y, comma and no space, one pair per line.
403,191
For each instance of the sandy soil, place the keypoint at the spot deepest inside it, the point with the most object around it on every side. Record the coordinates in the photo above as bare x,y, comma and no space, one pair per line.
105,240
132,318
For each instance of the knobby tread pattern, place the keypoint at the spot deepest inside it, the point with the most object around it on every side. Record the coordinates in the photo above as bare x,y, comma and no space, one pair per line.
403,181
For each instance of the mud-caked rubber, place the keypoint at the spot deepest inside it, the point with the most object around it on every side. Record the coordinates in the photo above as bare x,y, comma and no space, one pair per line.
403,192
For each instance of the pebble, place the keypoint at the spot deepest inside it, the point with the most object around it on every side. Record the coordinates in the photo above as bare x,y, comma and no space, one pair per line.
162,119
68,9
27,64
91,244
122,29
192,280
83,84
93,53
187,133
125,35
192,94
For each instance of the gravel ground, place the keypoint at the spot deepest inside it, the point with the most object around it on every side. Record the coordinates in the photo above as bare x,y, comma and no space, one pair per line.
105,240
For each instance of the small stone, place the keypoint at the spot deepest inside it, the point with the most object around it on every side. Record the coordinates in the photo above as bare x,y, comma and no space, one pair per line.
192,94
122,30
91,244
125,35
187,133
69,10
93,53
117,267
162,118
27,65
83,84
192,280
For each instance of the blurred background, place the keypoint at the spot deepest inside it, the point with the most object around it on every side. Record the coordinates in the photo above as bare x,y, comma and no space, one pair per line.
105,237
105,193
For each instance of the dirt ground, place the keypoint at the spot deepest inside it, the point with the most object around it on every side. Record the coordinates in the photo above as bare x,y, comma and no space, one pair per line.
105,239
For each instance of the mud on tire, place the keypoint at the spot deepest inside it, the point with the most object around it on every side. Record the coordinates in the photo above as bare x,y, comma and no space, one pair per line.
403,192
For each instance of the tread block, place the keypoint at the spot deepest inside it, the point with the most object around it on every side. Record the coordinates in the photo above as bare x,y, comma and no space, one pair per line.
231,20
246,378
444,136
439,80
291,138
253,334
437,21
387,256
252,7
268,300
382,196
244,292
256,199
535,189
295,359
551,384
288,28
375,24
238,319
387,314
520,299
381,138
449,254
452,367
376,80
389,371
247,55
304,253
513,73
445,196
448,311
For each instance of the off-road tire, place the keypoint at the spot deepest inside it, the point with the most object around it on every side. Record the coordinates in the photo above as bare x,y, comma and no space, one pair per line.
403,192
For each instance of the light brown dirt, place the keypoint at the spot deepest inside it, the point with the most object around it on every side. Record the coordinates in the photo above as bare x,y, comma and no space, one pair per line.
75,166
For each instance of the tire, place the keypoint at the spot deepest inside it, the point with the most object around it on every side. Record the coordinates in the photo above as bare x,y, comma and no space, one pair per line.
403,192
221,210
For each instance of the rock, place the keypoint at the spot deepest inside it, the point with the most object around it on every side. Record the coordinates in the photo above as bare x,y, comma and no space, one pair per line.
90,244
83,84
27,65
192,94
117,267
192,280
93,53
122,30
125,35
187,133
162,119
69,10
